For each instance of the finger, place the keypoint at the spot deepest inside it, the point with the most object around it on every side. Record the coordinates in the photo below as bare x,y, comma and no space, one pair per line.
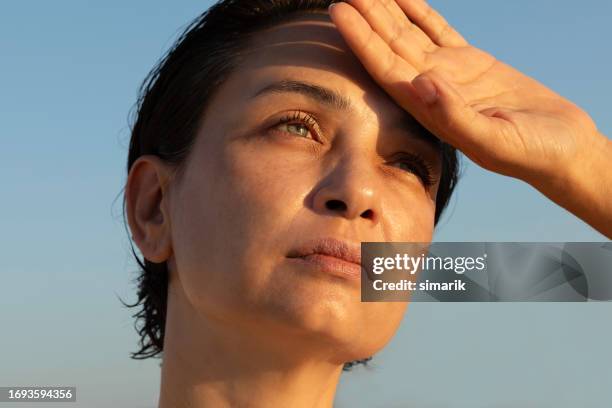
432,23
381,62
445,113
389,21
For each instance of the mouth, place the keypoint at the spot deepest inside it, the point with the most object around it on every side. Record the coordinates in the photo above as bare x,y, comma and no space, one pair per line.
330,255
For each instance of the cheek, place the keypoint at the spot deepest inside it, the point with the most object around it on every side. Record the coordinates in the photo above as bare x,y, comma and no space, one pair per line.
410,217
232,212
422,221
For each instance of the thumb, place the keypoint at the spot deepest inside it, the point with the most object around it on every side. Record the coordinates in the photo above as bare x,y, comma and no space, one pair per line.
454,120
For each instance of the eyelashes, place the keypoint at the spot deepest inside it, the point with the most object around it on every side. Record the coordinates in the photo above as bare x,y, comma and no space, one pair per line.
305,125
299,118
419,167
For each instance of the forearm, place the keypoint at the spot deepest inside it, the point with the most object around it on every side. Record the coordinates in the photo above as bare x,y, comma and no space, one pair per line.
584,186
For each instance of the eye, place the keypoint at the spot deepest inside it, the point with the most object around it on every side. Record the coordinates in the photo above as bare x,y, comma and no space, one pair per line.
300,124
295,128
416,165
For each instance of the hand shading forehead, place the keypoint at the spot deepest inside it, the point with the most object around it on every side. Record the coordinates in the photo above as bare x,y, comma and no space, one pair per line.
309,49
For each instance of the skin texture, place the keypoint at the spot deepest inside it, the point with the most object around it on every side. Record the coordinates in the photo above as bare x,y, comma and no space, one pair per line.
245,323
246,326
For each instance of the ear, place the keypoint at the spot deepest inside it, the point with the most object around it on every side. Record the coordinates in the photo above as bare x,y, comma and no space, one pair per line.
147,199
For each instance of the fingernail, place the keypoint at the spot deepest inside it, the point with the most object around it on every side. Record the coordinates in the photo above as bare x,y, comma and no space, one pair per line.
426,89
331,6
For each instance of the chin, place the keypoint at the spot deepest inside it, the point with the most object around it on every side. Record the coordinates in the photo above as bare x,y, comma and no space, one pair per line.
329,316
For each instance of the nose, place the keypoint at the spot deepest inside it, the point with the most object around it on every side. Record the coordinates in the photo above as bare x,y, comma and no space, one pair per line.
349,191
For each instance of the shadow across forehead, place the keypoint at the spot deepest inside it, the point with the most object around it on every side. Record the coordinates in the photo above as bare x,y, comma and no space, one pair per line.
312,41
303,27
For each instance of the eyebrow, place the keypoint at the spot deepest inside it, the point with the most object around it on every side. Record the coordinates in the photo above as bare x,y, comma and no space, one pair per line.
339,102
324,96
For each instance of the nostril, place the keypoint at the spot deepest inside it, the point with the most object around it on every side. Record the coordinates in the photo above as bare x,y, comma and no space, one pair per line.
368,214
335,205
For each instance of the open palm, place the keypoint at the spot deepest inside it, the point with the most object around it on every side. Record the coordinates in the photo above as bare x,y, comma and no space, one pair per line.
502,119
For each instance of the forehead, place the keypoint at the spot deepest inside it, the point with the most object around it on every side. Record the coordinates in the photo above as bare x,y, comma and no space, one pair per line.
308,47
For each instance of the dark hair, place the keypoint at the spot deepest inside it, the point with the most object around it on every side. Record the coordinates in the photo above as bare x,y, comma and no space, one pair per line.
172,101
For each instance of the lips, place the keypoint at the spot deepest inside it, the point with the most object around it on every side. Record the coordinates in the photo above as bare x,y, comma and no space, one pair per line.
331,247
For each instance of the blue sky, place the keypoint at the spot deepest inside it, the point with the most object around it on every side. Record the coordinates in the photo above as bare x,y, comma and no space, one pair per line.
69,76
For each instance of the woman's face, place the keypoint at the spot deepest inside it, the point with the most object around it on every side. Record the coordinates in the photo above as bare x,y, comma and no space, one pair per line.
347,165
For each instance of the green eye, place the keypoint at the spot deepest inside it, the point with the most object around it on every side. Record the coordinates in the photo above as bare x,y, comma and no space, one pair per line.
300,124
297,128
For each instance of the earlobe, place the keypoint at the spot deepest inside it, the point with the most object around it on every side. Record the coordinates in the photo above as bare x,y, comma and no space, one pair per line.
147,207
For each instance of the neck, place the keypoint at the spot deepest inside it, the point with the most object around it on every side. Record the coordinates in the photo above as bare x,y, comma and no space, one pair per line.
209,362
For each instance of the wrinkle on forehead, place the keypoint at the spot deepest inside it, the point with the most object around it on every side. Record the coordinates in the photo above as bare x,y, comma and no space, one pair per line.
314,32
309,30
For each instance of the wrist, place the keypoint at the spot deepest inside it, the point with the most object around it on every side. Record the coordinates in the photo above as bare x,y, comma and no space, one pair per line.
585,187
591,165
